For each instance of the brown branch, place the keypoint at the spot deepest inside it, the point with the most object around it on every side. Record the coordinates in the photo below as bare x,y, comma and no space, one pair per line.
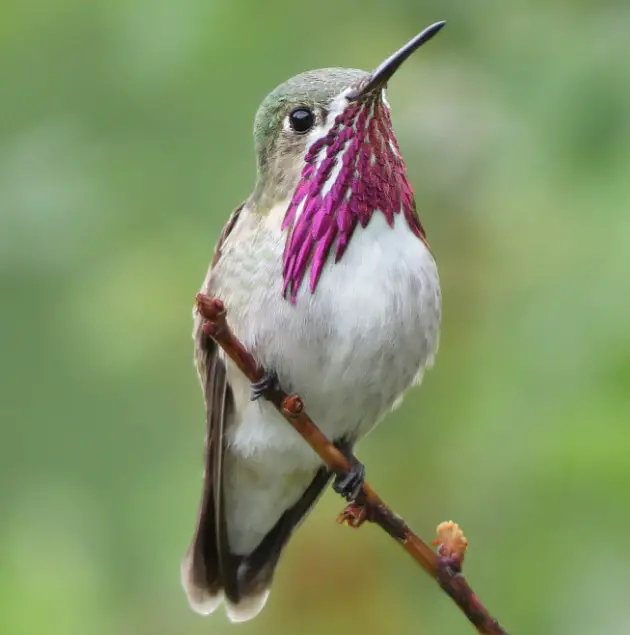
444,566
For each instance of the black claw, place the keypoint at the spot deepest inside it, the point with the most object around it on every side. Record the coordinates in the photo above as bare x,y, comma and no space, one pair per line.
349,485
265,385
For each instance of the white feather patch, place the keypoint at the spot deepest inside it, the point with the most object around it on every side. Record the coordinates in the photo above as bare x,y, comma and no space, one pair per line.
248,608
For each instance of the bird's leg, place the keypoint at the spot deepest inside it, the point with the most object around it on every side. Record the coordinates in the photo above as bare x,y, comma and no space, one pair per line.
349,484
267,385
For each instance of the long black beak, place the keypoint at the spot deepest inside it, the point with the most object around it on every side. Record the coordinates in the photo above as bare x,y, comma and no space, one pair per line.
392,64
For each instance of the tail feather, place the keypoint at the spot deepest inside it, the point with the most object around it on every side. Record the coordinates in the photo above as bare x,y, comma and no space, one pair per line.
244,585
203,598
248,607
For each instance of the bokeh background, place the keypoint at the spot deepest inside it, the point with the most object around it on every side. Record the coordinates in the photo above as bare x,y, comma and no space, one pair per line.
125,142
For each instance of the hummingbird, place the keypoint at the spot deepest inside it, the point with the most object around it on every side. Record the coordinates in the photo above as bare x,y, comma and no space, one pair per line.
331,285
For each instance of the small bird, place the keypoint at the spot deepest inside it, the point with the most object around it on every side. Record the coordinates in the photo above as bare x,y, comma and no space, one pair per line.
330,283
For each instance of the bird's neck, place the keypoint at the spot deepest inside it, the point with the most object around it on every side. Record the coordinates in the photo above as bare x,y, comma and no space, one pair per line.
353,172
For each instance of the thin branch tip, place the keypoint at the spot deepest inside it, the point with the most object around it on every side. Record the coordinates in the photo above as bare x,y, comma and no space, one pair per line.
208,307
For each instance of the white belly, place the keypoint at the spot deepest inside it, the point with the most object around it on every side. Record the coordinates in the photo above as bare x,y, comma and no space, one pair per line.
350,349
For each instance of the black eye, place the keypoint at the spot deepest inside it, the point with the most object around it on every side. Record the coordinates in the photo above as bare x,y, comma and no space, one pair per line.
301,120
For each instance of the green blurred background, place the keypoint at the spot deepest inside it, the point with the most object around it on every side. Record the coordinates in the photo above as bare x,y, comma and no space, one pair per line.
125,142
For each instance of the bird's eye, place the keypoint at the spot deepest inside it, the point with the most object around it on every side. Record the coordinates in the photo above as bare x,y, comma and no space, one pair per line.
301,120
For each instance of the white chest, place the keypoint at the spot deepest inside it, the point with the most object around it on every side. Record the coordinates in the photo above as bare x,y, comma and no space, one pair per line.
351,348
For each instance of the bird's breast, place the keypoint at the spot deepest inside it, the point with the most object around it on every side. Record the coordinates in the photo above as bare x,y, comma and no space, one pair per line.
354,345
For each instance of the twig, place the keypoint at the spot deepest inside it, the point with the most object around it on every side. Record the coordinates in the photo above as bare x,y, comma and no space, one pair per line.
444,566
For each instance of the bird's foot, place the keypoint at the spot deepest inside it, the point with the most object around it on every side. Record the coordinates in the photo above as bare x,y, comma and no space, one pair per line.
265,386
349,484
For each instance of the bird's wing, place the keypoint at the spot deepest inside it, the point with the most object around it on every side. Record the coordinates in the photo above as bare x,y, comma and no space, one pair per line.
208,568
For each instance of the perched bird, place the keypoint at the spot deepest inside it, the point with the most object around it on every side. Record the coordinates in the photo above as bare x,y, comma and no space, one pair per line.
329,282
